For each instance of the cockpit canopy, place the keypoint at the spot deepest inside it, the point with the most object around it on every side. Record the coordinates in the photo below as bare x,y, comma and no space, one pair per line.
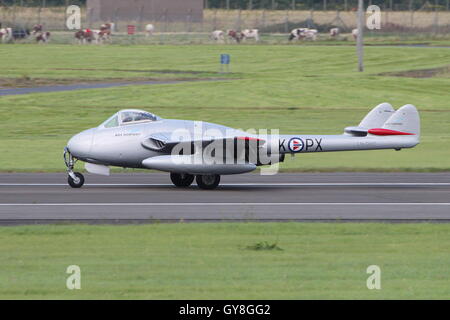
128,117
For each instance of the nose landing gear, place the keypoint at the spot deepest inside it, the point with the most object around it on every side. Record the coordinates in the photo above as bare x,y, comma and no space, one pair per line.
74,179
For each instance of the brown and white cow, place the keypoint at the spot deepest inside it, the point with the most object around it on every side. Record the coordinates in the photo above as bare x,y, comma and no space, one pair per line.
87,36
297,34
6,35
334,32
43,37
234,35
105,32
39,34
250,34
311,34
218,35
303,33
12,34
37,28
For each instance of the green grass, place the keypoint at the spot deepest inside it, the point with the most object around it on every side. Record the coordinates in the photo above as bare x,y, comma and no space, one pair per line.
297,89
213,261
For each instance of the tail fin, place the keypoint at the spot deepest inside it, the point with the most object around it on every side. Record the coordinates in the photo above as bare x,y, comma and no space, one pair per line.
374,119
383,121
405,120
377,116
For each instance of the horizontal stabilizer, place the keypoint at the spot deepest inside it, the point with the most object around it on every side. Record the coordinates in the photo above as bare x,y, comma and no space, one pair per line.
356,131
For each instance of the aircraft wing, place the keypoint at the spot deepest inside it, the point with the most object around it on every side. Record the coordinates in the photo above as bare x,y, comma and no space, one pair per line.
164,142
243,151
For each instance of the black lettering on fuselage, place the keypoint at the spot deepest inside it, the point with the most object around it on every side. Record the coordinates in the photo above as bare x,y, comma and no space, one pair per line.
281,145
319,147
309,144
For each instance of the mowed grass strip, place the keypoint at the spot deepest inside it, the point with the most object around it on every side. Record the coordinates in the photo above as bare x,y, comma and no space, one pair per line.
220,261
296,89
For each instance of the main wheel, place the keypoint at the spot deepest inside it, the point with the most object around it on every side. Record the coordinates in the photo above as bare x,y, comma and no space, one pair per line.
76,183
181,179
208,181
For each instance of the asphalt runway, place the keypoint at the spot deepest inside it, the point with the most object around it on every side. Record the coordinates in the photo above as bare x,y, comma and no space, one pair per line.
149,197
71,87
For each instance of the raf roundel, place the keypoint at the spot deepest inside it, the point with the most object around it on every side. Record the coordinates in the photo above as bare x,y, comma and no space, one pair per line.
296,144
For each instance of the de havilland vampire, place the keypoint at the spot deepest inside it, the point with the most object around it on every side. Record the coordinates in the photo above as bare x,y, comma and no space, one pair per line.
188,149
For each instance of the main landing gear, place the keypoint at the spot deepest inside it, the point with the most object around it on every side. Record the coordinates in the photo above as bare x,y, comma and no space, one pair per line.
181,180
74,179
206,182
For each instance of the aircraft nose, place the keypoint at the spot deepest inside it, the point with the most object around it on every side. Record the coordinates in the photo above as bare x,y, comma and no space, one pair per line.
80,144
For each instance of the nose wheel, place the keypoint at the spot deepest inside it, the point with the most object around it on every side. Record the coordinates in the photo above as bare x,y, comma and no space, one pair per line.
74,179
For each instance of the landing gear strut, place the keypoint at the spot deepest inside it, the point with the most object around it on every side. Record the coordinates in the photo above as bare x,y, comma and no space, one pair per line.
75,179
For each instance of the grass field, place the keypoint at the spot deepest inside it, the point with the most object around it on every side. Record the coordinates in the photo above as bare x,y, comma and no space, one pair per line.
297,89
220,261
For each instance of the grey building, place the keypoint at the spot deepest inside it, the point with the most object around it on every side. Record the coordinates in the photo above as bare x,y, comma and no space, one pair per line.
145,10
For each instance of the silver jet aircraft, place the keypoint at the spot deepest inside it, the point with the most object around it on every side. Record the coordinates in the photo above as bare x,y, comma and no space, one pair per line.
204,151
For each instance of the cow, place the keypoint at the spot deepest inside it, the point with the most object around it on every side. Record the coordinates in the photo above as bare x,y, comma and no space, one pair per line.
334,32
87,36
234,35
218,35
43,37
355,34
105,32
311,34
297,34
250,33
303,33
108,26
149,29
6,35
37,28
79,35
11,34
39,34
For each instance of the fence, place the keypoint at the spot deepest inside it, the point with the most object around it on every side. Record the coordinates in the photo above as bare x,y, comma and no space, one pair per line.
326,5
267,21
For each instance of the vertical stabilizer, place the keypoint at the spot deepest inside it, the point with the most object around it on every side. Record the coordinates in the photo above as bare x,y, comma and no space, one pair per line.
406,119
378,116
